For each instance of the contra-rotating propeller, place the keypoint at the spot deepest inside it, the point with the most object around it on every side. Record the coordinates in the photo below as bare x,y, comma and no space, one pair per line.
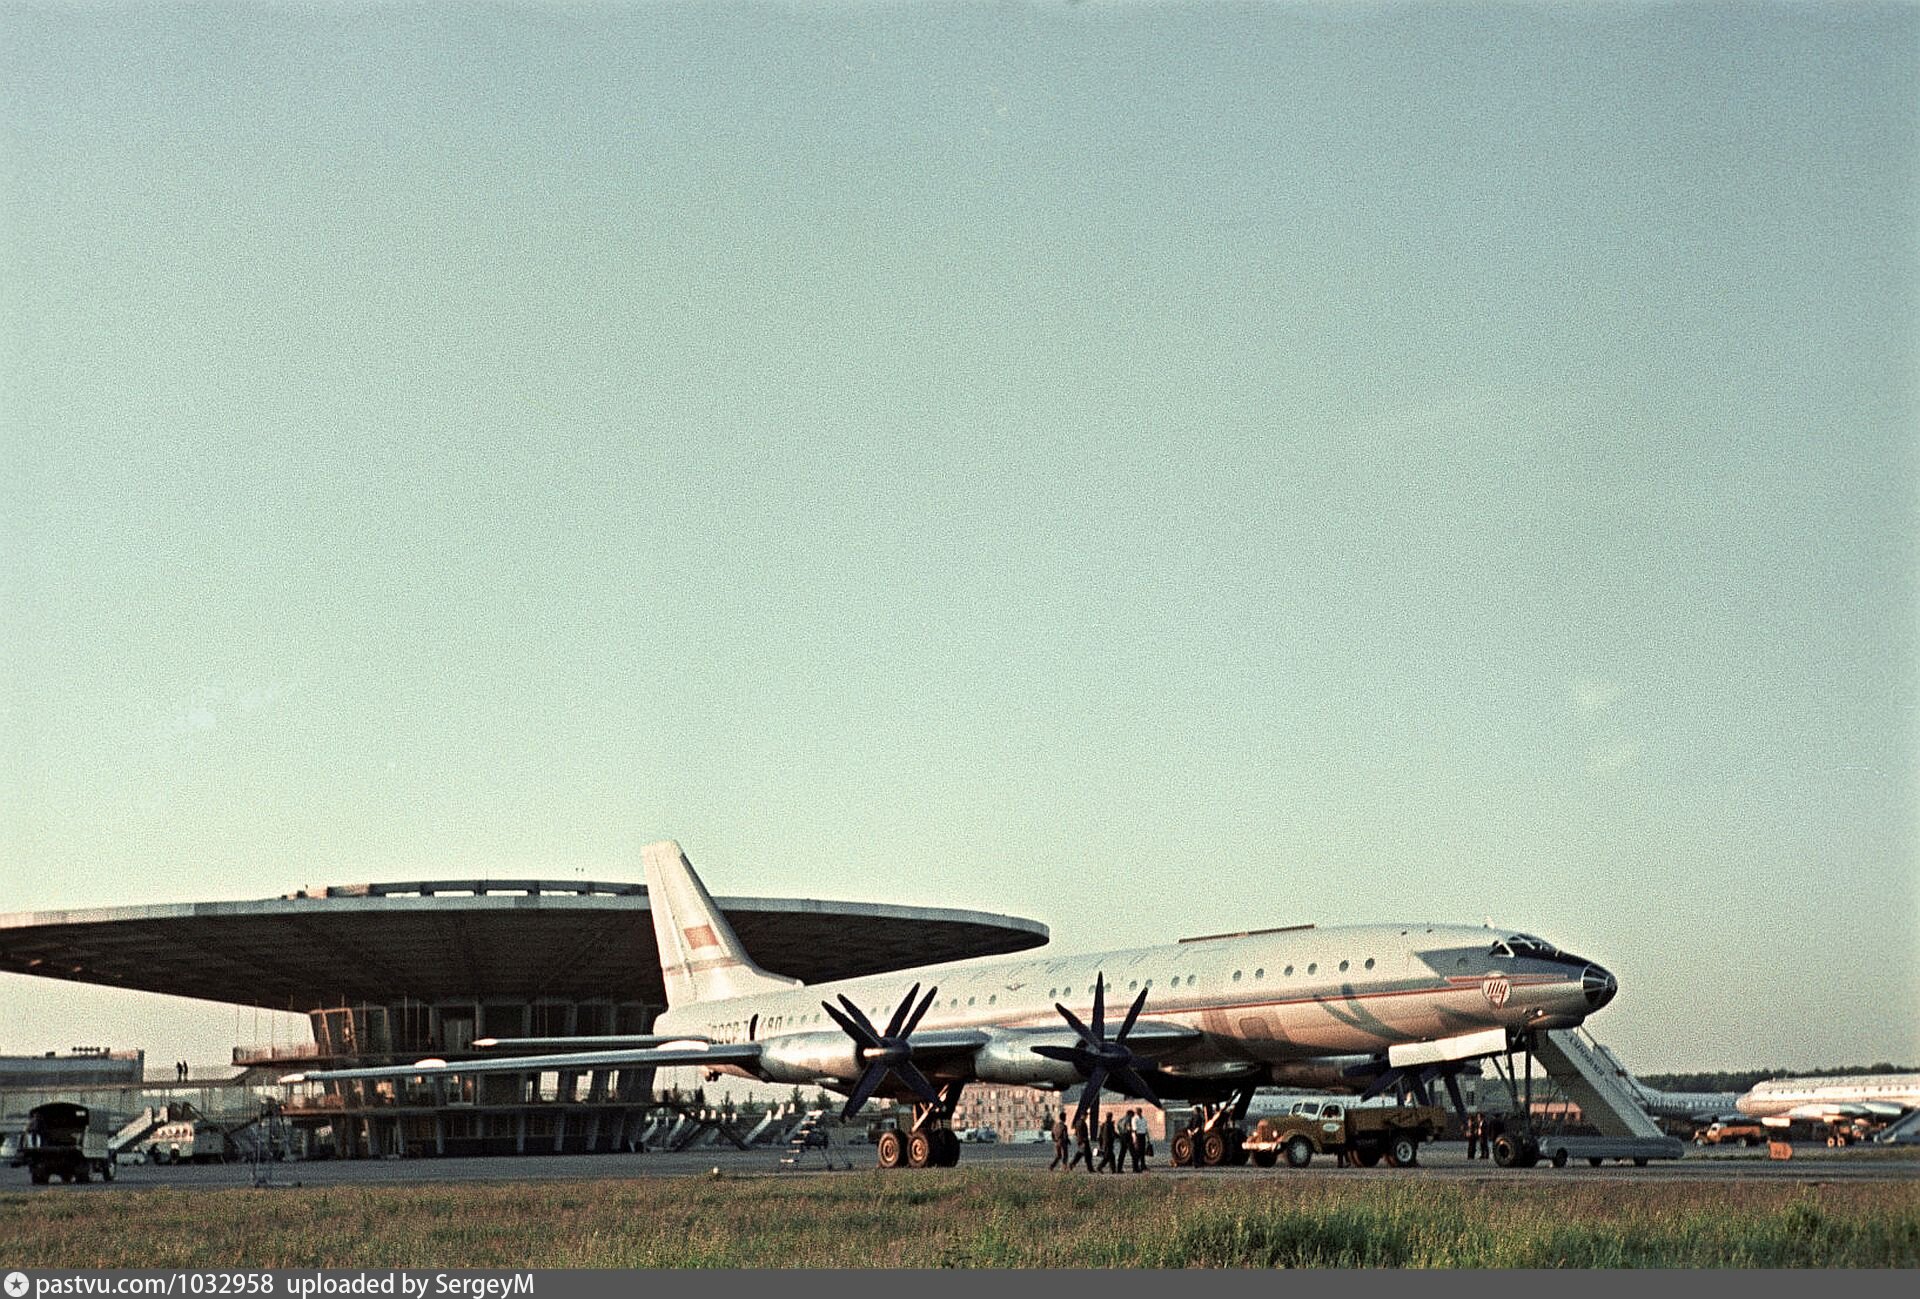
1103,1062
884,1053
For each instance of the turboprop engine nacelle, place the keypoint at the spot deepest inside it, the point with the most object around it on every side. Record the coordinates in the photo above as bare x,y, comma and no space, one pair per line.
807,1057
1009,1058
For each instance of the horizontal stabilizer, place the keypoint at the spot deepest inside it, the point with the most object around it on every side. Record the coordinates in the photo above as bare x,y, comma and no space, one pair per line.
1468,1046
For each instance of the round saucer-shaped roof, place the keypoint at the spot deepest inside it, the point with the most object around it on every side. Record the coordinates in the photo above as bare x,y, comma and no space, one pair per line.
455,940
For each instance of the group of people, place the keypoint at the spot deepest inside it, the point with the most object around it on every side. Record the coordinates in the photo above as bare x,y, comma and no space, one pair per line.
179,1070
1118,1142
1480,1132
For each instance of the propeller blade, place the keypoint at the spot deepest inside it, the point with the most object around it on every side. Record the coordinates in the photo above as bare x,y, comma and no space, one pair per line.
1086,1034
1068,1054
1136,1085
868,1084
1132,1015
858,1032
925,1001
1090,1098
900,1012
910,1074
860,1018
1099,1007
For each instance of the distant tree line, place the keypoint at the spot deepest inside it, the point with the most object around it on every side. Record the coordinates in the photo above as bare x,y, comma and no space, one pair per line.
1739,1081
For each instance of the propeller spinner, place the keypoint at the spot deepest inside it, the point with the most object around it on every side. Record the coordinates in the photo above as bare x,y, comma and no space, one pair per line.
884,1053
1110,1064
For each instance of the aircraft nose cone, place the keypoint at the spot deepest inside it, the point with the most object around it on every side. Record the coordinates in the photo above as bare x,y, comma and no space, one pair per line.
1598,985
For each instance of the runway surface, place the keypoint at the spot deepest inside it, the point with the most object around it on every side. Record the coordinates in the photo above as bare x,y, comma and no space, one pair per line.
1444,1161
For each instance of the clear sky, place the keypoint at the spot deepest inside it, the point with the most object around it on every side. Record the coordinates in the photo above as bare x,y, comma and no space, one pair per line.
1157,469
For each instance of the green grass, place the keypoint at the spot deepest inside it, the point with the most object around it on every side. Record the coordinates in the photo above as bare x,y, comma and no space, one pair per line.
973,1218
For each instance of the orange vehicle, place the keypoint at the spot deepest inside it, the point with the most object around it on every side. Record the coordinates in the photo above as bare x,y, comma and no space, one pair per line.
1720,1132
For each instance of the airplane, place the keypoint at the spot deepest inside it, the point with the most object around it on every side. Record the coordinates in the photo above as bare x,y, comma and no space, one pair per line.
1848,1107
1367,1008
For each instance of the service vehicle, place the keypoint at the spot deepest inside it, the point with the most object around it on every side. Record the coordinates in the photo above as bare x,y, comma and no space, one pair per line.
186,1141
59,1141
1748,1132
1367,1134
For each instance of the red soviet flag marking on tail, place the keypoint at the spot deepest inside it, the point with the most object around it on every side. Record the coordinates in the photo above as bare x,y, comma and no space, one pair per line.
701,936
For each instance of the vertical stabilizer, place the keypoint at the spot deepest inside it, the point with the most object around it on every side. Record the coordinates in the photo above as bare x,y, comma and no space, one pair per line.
700,958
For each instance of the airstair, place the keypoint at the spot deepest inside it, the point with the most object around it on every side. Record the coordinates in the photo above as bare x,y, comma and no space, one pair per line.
1903,1132
1589,1076
139,1128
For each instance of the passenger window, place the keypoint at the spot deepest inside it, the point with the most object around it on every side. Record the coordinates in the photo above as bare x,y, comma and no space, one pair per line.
1288,972
1259,974
1312,966
1236,976
1343,967
1369,962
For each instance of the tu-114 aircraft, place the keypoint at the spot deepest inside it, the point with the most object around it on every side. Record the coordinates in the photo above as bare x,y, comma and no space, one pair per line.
1364,1008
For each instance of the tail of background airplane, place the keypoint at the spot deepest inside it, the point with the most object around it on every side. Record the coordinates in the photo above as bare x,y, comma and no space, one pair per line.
700,958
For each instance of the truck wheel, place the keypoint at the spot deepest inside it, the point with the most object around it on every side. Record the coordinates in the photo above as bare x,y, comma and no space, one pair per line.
1299,1152
1560,1157
1639,1163
1213,1149
1182,1150
40,1174
1403,1152
887,1150
1594,1163
1506,1151
1266,1158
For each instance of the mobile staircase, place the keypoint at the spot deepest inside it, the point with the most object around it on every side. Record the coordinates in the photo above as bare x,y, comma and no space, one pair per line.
1584,1073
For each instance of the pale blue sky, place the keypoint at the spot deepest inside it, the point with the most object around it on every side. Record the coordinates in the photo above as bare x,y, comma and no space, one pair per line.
1152,468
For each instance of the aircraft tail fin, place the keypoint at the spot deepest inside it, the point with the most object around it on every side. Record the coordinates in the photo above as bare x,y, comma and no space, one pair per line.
700,958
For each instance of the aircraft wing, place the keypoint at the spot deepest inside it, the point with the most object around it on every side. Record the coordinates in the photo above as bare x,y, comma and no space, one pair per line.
679,1053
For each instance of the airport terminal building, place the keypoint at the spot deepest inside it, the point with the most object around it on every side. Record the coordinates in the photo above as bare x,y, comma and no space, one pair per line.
396,972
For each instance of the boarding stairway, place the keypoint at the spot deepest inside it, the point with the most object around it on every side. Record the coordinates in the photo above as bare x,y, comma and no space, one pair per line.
1589,1076
1903,1131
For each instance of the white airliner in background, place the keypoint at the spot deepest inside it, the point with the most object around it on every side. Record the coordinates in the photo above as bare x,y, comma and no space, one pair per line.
1847,1106
1370,1008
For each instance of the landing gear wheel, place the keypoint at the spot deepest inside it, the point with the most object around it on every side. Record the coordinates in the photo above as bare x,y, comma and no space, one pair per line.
1299,1152
888,1151
1639,1163
1181,1151
1403,1152
1236,1150
1594,1163
919,1150
1560,1158
946,1148
1266,1158
1213,1149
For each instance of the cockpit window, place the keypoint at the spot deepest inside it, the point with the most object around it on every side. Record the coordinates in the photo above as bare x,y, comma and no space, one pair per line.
1525,945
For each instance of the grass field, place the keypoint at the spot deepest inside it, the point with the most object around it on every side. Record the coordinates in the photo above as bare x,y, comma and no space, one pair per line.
972,1218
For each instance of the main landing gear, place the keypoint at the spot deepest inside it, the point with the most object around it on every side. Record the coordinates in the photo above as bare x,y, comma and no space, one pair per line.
1215,1136
930,1142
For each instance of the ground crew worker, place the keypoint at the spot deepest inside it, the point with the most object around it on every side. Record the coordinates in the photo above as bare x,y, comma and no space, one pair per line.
1139,1135
1109,1139
1082,1148
1059,1142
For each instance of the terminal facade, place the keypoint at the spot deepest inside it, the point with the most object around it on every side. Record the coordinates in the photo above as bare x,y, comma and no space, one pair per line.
396,972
